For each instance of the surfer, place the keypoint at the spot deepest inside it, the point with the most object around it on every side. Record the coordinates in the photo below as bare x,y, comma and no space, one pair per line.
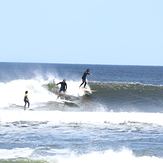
63,88
26,100
84,77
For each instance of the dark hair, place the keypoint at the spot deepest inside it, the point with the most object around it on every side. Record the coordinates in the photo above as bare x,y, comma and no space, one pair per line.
88,70
26,92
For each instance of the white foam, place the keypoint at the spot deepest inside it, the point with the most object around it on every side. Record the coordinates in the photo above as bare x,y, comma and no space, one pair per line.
109,156
13,92
73,89
82,117
15,153
67,156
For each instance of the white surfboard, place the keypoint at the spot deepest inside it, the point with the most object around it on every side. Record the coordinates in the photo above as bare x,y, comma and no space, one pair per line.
28,109
64,101
68,101
59,101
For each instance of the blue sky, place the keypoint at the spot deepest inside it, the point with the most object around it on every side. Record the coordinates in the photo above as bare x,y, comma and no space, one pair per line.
121,32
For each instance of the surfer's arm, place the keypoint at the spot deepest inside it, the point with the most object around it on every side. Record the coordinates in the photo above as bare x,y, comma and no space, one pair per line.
58,83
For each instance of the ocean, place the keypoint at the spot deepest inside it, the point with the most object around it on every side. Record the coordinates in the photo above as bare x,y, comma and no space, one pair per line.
121,122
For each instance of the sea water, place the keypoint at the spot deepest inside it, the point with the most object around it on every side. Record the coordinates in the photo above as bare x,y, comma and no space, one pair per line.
122,122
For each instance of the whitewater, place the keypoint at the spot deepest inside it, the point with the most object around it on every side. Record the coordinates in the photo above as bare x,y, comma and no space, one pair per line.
123,121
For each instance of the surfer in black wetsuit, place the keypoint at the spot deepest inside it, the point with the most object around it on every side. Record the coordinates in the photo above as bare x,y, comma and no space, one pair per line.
26,100
63,88
84,77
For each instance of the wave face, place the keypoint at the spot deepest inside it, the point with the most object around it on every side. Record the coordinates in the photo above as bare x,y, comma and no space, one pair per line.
129,96
122,121
117,97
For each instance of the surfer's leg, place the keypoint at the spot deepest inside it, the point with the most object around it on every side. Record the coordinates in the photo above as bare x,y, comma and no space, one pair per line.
28,104
85,83
58,94
64,95
82,82
25,105
64,91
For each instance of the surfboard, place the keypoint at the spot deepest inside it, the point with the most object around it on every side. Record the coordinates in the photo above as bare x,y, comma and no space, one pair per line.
68,101
65,101
59,101
29,109
89,90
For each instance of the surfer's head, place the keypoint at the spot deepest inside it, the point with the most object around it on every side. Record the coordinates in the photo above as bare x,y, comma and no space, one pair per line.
64,80
26,92
88,70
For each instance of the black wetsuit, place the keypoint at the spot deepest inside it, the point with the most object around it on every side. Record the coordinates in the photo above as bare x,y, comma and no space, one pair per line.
84,78
63,86
85,75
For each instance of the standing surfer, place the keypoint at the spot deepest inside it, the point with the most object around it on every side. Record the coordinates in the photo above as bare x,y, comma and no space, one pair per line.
26,100
63,88
84,77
